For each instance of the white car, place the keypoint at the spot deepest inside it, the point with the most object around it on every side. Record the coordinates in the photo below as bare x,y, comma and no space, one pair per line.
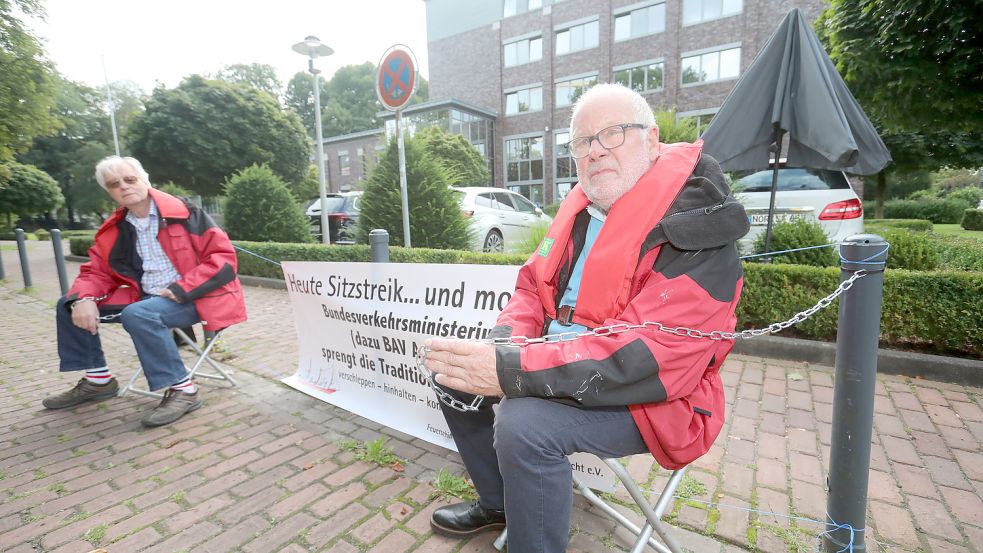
815,195
501,220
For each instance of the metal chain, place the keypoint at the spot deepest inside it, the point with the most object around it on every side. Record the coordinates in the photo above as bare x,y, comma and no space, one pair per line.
611,330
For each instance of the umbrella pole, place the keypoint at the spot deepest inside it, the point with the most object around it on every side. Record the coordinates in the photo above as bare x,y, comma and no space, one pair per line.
776,149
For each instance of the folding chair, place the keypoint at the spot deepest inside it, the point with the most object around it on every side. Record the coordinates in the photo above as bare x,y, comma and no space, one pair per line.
653,514
211,338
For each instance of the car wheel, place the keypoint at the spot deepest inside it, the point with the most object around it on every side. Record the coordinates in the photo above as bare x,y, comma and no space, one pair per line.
493,243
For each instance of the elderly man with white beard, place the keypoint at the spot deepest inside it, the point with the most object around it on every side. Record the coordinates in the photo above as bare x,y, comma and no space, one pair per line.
647,235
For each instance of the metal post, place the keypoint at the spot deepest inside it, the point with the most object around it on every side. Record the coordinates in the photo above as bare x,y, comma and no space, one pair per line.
379,242
22,250
853,392
319,155
402,179
59,260
3,275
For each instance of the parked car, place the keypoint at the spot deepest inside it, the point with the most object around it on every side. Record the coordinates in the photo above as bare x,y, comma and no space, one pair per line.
815,195
343,210
501,220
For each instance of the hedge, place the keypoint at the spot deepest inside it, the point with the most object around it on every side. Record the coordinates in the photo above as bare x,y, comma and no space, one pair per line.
45,235
937,210
939,311
973,219
921,225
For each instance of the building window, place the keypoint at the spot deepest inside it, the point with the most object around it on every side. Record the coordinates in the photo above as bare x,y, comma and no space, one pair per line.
578,37
569,91
514,7
344,163
698,11
524,166
641,78
711,66
564,166
521,101
640,22
523,51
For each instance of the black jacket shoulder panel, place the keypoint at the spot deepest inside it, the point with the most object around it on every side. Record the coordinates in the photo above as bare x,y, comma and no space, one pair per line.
716,270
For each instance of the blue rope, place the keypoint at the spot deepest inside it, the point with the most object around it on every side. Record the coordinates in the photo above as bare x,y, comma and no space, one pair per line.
788,251
256,255
867,261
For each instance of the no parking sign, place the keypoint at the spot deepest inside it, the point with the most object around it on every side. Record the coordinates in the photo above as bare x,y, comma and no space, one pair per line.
396,79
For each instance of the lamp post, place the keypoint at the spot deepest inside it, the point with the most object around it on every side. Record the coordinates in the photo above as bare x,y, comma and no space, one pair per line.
313,48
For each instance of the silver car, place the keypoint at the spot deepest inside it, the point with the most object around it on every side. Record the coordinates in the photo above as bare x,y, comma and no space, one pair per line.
814,195
500,219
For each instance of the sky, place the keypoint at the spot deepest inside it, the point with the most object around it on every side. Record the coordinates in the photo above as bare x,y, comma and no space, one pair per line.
154,41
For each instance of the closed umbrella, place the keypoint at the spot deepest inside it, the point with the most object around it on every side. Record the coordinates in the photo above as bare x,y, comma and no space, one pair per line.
792,87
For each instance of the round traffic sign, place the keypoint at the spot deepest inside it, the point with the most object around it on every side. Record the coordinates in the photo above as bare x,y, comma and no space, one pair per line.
396,79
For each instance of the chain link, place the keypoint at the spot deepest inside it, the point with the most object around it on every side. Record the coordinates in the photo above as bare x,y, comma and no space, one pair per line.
619,328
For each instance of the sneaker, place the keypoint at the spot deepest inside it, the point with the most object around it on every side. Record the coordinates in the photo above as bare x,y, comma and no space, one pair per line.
174,406
463,520
82,392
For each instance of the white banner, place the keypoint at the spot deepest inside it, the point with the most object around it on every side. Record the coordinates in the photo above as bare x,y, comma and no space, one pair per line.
359,326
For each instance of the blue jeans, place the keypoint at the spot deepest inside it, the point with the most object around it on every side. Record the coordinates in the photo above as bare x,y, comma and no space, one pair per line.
149,323
518,460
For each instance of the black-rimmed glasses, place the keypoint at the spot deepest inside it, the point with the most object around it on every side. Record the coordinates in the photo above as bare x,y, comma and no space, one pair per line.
609,138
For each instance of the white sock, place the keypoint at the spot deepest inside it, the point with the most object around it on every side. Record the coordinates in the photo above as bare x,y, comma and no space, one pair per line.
187,386
98,376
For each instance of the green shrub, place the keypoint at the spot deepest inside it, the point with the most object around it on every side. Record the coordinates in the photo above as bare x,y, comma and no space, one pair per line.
551,209
973,219
176,190
798,234
44,234
922,225
958,253
937,210
910,250
259,207
972,195
435,214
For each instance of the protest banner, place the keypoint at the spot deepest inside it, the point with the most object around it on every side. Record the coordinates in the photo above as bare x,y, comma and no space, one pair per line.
359,326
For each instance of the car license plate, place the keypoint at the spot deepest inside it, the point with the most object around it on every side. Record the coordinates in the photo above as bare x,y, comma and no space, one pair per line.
762,218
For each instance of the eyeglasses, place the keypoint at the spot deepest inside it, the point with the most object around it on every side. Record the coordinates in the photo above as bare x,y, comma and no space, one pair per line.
114,184
609,138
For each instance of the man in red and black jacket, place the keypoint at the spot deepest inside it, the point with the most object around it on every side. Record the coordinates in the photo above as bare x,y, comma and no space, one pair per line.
647,235
158,262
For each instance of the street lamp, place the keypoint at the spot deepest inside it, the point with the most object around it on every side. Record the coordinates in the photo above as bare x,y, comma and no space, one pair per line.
313,48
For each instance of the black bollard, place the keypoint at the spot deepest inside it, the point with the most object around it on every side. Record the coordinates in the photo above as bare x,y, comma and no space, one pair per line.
22,250
379,241
59,260
853,392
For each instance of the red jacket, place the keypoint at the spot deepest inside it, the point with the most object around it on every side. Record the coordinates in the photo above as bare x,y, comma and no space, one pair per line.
666,253
199,250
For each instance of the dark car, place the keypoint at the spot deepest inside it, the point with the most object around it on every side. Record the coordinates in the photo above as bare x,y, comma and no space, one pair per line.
343,210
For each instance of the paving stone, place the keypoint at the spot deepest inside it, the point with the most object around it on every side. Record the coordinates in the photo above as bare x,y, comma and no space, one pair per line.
931,516
966,506
894,523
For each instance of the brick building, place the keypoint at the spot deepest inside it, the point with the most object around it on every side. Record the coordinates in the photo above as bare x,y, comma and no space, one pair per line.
522,63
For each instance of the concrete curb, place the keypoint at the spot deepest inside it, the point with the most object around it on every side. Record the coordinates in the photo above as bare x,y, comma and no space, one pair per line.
954,370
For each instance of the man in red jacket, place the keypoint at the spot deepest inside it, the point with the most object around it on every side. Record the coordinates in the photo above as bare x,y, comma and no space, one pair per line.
647,236
157,263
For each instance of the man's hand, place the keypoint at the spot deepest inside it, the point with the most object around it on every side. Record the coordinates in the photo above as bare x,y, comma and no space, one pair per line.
166,293
465,366
85,315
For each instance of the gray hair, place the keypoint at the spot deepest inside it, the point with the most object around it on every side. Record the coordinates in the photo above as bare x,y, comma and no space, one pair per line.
642,110
108,163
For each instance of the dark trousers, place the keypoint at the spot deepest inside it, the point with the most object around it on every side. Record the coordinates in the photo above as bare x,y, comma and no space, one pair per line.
517,459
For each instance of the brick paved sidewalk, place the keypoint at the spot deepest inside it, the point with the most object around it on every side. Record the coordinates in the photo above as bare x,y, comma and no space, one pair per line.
260,467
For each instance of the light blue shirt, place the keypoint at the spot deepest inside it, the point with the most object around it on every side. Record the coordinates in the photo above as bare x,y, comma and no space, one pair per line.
573,285
158,271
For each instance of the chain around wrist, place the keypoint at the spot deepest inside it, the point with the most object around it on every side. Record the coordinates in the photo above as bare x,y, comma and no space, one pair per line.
82,300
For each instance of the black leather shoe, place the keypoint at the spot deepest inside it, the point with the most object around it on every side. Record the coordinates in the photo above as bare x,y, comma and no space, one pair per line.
466,519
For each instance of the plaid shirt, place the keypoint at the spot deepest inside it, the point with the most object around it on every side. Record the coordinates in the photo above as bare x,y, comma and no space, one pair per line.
158,271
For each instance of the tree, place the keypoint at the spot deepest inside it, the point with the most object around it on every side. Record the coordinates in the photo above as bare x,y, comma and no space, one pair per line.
913,64
299,97
204,130
259,207
435,215
84,137
27,91
464,163
673,128
307,188
28,191
257,75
